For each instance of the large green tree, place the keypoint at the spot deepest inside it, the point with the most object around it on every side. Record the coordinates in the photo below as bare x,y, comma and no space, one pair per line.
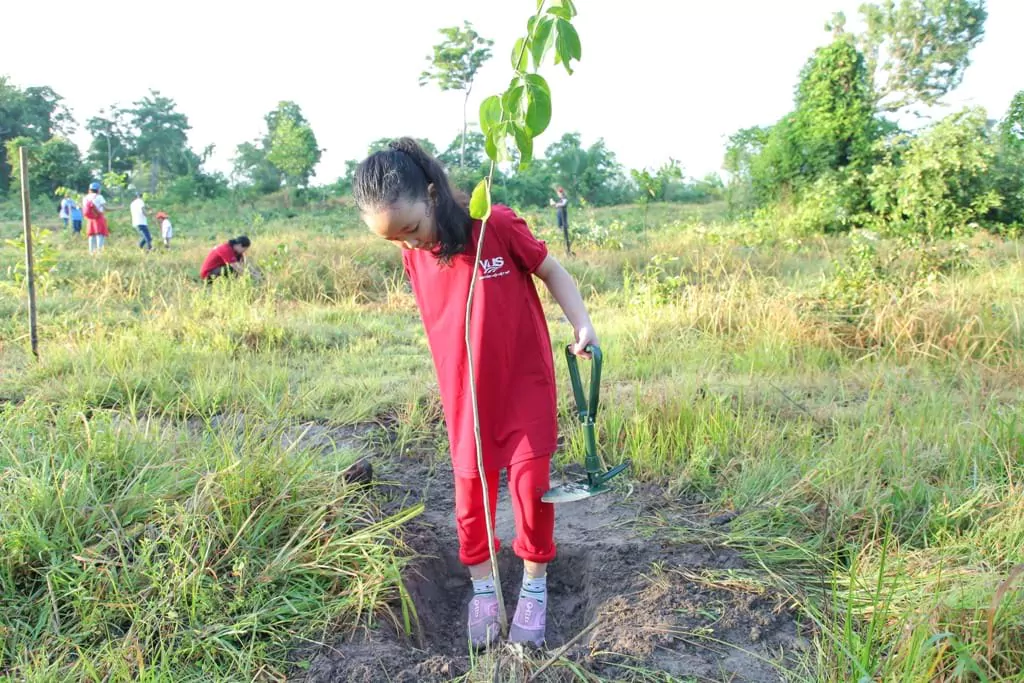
161,136
53,164
589,173
918,50
830,132
113,144
454,65
36,113
293,151
1008,173
286,154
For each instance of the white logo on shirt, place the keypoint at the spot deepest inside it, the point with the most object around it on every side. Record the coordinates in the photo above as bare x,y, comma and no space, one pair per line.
492,267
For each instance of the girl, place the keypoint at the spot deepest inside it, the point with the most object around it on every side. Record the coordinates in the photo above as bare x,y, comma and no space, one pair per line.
225,259
404,196
166,229
94,206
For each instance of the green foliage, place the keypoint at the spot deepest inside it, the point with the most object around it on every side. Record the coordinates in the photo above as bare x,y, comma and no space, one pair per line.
917,50
287,154
161,136
938,182
521,113
45,261
52,164
294,151
592,174
830,130
113,144
35,113
833,124
1008,170
454,65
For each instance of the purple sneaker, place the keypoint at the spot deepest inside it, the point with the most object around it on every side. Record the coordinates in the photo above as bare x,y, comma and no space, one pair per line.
483,620
528,623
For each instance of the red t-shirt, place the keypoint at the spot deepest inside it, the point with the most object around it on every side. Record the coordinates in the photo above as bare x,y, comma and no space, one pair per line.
515,373
220,255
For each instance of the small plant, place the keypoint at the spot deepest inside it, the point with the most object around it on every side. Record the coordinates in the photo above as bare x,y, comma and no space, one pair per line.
858,275
656,284
44,259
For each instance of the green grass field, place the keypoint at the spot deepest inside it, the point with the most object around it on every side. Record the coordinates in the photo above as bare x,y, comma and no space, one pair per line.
856,402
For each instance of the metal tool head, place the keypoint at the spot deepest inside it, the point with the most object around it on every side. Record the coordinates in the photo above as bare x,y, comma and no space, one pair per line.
570,492
593,485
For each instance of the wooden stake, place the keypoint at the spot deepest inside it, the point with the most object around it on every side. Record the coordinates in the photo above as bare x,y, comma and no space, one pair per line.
29,262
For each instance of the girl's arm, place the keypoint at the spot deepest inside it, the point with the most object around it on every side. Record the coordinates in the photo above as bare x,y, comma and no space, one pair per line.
563,288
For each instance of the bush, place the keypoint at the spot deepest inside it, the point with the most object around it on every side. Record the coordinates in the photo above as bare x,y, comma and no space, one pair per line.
936,183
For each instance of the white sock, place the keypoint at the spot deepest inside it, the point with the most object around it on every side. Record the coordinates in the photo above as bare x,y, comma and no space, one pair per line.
483,586
534,587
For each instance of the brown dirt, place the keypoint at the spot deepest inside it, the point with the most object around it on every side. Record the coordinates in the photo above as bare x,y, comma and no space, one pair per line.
681,612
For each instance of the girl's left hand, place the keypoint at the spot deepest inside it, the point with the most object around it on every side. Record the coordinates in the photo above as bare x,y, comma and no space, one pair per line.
585,336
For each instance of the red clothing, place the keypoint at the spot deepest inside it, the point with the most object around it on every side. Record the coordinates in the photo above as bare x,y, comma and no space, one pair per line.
98,226
515,373
535,520
220,255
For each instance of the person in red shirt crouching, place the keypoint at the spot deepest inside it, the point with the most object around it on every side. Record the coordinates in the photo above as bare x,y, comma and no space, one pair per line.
404,196
225,259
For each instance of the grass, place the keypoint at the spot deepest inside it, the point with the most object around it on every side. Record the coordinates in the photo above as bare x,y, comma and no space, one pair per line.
856,402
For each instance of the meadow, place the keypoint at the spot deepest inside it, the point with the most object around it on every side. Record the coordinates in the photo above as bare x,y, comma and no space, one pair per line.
840,412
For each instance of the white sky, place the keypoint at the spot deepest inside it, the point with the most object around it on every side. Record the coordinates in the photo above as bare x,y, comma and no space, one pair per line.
658,78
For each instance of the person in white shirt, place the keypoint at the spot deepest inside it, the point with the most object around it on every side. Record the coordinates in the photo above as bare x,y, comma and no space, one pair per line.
65,209
166,229
138,209
94,207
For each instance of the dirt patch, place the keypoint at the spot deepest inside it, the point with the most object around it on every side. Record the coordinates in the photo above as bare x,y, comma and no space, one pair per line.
687,612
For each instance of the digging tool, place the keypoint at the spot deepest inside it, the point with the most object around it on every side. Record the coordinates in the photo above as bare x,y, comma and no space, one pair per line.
597,479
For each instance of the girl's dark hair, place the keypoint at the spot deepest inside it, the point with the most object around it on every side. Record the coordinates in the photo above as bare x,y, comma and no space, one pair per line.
406,171
240,241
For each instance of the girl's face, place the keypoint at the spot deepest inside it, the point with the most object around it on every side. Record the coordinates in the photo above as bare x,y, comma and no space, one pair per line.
408,224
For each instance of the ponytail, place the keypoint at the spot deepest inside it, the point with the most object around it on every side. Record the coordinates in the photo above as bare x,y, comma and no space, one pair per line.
404,171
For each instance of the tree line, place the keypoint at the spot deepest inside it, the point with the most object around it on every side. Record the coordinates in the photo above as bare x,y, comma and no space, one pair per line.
839,160
145,147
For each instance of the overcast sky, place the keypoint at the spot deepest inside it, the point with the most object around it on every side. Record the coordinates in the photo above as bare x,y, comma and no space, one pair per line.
658,78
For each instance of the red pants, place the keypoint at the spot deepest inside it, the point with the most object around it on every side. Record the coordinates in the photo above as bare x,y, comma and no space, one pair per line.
535,520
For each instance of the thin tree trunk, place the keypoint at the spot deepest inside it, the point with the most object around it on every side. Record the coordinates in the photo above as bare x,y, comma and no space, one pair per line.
154,175
110,156
465,103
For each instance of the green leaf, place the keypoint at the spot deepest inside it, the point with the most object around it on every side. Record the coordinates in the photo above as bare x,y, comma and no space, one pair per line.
490,113
560,12
543,38
564,6
567,45
502,133
538,104
490,145
524,141
480,202
520,58
513,102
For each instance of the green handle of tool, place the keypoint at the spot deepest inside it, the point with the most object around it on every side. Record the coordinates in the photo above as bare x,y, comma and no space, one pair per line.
587,410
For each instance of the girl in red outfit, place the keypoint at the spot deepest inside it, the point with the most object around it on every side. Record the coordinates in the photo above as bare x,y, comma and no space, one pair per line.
404,196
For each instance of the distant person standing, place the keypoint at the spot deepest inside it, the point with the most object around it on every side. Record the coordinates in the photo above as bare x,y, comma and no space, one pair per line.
94,207
225,259
138,210
65,209
76,218
166,229
562,214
